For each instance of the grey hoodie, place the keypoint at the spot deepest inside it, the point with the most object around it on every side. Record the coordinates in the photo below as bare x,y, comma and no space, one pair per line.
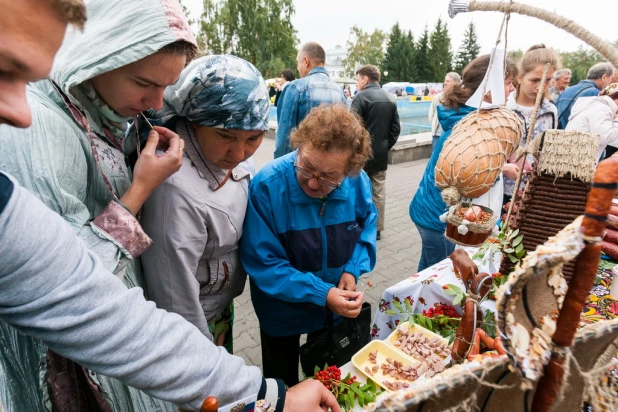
56,290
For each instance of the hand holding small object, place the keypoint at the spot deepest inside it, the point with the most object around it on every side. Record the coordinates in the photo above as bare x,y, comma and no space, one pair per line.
344,302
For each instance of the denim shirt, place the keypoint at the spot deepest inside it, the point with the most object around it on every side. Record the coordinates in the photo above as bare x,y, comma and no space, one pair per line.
565,102
297,100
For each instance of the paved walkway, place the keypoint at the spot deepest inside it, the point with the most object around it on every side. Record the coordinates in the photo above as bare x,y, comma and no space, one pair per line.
398,251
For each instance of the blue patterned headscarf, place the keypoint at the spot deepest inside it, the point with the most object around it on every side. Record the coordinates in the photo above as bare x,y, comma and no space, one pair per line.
220,91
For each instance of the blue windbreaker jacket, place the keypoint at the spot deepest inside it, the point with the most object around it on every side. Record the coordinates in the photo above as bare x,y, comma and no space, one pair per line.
567,98
295,248
427,204
296,101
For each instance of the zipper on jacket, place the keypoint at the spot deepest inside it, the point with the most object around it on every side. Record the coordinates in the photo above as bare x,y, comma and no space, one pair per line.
227,281
324,241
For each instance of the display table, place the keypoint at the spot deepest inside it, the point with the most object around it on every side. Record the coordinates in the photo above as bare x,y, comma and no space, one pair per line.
425,288
348,367
422,290
600,305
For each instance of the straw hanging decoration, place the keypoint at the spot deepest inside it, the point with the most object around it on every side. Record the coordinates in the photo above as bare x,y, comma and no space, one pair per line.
605,48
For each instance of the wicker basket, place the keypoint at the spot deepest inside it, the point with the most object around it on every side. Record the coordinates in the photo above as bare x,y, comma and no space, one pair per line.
477,233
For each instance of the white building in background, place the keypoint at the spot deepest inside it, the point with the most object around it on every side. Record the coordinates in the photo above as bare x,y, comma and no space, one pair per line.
334,61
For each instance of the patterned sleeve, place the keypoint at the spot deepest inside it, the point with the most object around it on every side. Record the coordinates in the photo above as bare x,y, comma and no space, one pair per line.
51,160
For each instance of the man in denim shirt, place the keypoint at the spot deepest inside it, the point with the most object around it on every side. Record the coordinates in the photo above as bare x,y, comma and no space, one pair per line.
300,96
598,77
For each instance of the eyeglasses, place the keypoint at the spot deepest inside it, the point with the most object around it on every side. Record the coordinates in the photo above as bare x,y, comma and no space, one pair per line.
321,181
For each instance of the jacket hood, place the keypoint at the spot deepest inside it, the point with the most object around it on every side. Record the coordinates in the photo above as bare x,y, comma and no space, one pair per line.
584,103
117,33
449,117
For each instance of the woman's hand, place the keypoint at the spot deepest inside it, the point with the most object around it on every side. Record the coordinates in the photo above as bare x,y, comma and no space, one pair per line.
344,302
151,168
347,282
510,170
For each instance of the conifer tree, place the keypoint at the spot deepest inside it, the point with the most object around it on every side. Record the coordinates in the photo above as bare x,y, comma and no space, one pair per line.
399,57
410,55
421,58
440,56
469,49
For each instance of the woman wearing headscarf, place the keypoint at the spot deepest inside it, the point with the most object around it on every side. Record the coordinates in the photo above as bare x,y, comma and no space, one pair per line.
220,108
73,158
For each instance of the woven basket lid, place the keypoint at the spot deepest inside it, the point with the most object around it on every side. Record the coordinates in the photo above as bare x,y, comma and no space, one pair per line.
570,152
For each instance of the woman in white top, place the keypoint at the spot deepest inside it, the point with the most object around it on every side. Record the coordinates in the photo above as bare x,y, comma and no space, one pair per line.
597,114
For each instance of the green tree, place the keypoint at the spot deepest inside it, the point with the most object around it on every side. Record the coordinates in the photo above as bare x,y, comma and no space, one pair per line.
187,13
579,61
441,56
469,49
515,55
363,48
259,31
399,57
421,58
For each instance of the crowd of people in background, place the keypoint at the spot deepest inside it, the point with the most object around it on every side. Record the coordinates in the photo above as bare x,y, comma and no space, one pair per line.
131,167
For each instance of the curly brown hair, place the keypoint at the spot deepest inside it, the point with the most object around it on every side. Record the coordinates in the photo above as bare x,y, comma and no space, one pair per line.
333,128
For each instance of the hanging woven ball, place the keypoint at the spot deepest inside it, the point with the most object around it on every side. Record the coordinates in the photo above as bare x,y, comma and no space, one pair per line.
474,154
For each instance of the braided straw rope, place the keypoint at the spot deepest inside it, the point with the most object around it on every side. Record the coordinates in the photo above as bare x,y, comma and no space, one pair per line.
603,47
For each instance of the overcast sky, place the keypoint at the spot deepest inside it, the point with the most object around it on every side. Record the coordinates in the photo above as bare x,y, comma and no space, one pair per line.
328,22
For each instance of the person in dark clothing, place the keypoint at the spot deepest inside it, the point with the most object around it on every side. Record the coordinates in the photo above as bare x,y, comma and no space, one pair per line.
378,109
285,77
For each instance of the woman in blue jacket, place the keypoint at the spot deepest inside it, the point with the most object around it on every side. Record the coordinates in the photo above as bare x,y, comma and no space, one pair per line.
427,204
309,233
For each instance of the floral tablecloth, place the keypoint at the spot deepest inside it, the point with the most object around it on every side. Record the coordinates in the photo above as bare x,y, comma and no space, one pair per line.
601,305
422,291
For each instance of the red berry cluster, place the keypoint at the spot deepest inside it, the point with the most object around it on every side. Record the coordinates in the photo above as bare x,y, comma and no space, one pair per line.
328,376
441,309
331,376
